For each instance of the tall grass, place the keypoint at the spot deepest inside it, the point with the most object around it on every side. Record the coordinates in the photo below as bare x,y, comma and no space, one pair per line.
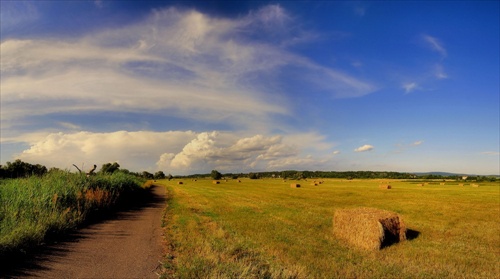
265,229
32,209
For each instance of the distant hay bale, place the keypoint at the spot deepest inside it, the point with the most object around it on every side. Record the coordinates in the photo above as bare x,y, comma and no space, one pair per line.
294,185
385,186
314,184
216,182
180,182
420,184
239,180
442,183
475,185
460,184
368,228
284,180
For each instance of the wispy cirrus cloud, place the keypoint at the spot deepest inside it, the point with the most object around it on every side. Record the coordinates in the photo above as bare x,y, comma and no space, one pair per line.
180,63
435,44
433,71
409,87
402,147
491,153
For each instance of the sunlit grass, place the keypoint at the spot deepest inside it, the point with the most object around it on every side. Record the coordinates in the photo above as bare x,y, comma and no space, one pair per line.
33,208
265,229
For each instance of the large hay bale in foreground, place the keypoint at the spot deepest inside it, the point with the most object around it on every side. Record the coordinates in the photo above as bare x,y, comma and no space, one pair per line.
215,182
368,228
294,185
180,183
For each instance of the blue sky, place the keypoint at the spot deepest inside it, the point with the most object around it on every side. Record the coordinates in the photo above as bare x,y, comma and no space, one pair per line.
187,87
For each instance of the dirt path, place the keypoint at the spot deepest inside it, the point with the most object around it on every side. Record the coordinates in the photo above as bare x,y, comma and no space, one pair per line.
128,246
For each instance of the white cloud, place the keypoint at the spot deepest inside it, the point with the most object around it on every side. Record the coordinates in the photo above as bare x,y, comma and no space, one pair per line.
417,143
177,152
409,87
439,72
228,152
435,45
178,63
491,153
364,148
336,152
132,150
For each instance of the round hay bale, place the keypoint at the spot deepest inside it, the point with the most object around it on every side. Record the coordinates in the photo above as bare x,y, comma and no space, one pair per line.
180,183
475,185
368,228
385,186
294,185
215,182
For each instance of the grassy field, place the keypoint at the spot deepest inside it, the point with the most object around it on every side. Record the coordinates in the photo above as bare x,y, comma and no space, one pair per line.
265,229
32,209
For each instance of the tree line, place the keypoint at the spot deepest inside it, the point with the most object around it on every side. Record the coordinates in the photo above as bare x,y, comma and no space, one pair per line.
20,169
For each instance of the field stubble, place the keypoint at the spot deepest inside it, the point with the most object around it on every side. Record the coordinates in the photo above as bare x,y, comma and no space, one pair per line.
265,229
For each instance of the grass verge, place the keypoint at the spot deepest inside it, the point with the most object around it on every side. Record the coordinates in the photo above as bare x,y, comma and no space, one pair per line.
36,209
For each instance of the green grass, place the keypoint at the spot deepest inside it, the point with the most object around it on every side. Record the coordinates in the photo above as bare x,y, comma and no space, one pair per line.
265,229
31,209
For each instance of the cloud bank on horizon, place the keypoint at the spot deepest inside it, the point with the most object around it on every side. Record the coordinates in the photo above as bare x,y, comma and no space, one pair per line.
267,87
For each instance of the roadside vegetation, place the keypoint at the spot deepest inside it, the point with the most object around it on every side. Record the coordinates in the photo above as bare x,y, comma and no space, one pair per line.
262,228
36,208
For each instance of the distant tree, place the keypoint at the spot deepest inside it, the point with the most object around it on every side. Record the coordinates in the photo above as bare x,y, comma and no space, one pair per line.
216,175
19,168
253,175
147,175
169,176
159,175
109,168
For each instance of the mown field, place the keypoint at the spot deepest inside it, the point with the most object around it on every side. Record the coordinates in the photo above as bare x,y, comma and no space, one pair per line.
265,229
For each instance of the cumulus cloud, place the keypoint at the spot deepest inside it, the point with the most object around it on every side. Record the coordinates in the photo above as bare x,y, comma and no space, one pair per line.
179,152
228,152
336,152
132,150
364,148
